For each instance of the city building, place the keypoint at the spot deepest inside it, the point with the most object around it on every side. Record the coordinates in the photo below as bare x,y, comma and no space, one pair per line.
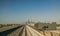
46,26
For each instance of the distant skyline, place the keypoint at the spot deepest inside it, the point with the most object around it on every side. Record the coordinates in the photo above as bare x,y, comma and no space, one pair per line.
18,11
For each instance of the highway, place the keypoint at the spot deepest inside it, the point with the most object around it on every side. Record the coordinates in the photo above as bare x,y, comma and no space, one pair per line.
21,31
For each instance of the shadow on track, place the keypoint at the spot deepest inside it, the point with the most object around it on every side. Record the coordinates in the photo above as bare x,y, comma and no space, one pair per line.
4,33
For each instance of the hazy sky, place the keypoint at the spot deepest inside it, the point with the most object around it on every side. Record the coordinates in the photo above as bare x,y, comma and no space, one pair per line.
17,11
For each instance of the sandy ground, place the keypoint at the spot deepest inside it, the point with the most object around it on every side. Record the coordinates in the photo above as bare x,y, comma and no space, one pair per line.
51,33
6,28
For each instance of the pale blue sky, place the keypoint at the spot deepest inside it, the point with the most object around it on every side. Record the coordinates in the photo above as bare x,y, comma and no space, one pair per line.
17,11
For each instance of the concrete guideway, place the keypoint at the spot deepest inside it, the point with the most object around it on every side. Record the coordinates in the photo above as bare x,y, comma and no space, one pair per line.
28,32
6,32
16,32
33,32
24,30
23,33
